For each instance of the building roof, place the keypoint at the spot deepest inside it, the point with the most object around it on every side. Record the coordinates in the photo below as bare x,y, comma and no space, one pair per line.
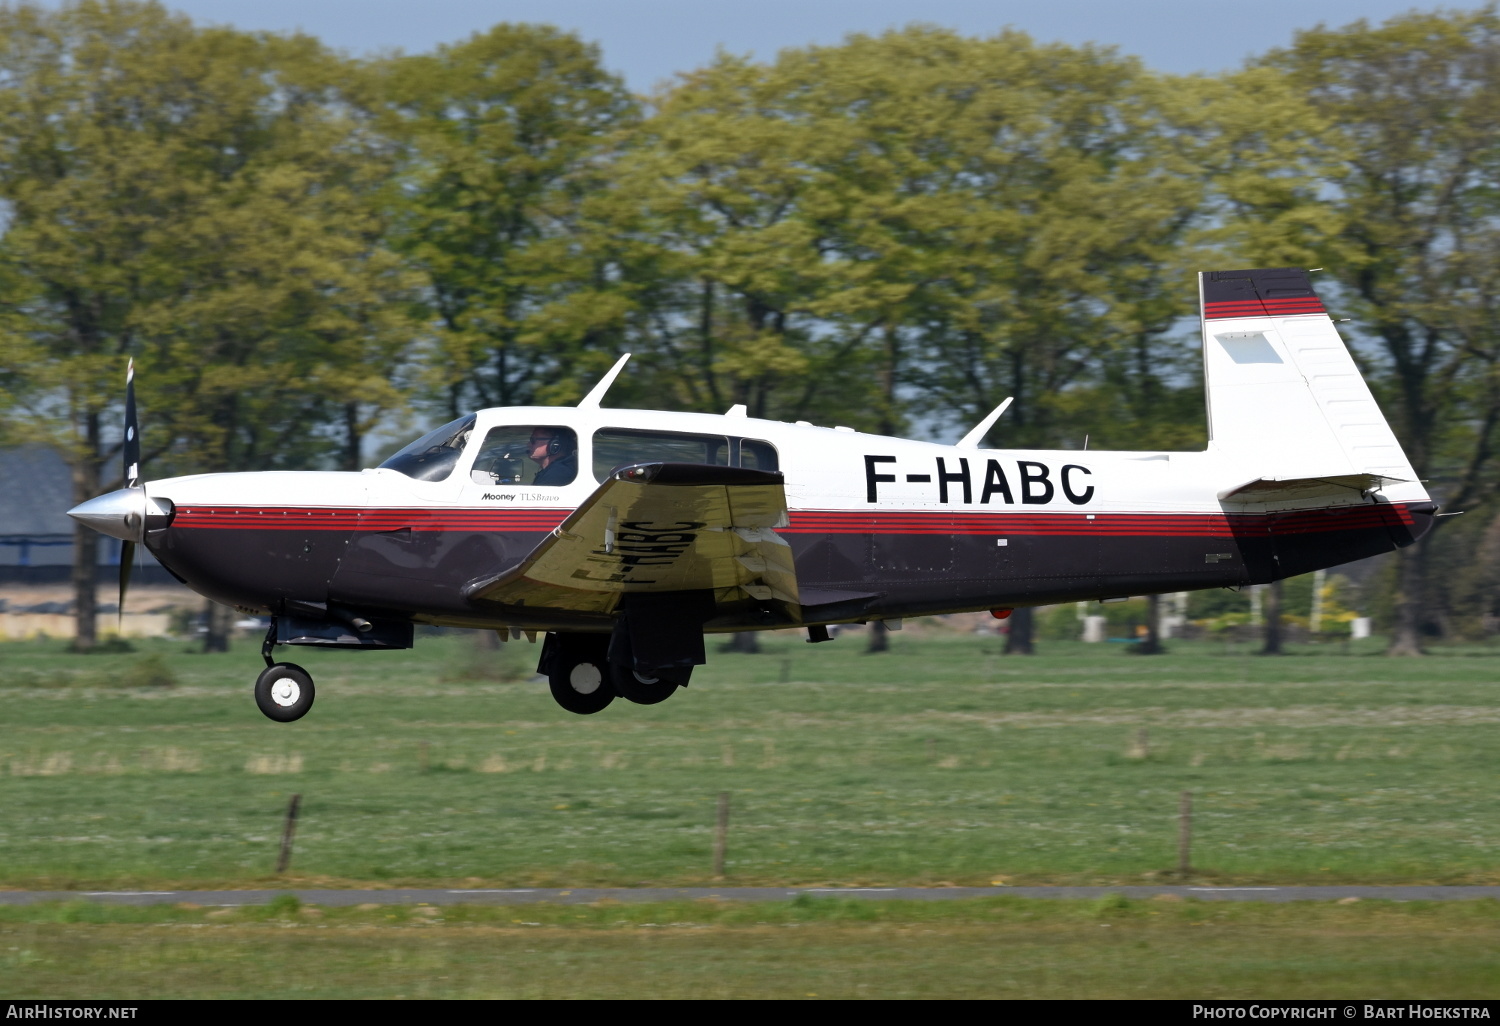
36,492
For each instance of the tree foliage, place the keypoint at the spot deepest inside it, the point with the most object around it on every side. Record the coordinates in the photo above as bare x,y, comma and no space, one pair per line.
503,138
914,224
1410,161
197,199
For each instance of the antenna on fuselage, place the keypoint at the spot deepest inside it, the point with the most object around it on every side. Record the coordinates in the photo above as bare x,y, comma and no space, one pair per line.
973,438
591,401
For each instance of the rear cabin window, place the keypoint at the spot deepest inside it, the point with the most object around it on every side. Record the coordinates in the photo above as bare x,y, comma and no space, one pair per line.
619,447
756,455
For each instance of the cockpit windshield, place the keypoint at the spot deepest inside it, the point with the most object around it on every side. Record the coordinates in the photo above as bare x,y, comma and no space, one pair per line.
433,456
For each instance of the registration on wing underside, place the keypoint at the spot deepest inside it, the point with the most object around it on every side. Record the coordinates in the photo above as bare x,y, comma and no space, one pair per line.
657,528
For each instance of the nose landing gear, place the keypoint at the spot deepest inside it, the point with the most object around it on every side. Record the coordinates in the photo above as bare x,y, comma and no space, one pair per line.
284,691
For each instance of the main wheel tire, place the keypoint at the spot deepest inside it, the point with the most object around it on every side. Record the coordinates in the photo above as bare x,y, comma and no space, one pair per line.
642,690
284,692
582,685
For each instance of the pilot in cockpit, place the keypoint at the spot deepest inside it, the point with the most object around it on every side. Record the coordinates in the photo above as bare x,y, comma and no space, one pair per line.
556,452
503,458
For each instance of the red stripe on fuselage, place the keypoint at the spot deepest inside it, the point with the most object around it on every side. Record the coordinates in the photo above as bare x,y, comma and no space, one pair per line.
1007,522
346,519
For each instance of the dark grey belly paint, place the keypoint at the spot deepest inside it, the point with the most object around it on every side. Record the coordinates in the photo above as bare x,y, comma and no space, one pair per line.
423,574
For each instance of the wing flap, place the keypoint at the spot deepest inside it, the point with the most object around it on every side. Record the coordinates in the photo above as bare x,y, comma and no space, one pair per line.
660,527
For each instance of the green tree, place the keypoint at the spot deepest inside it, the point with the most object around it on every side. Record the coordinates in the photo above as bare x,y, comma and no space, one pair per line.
503,137
197,198
755,196
910,221
1063,275
1412,160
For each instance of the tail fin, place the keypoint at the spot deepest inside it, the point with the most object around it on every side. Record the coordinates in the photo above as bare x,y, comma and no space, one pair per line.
1284,395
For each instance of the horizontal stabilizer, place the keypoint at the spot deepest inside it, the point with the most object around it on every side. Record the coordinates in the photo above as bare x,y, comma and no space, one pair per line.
1292,489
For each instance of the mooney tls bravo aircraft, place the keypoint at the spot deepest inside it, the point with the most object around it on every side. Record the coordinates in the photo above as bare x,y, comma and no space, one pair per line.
625,535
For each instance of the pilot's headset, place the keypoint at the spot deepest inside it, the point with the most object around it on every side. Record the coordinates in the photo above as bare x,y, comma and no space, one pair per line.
561,443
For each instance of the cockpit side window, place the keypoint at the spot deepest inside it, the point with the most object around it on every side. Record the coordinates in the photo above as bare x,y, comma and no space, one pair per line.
539,454
433,456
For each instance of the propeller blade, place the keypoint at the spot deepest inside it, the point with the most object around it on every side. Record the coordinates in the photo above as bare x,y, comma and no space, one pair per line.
130,449
127,564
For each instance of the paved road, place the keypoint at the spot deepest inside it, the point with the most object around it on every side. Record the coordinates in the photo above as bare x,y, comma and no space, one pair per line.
586,895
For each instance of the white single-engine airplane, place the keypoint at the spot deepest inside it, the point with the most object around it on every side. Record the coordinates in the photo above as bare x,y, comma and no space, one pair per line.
626,535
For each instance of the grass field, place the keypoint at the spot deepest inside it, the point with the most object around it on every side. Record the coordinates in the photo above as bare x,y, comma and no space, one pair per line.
810,948
941,761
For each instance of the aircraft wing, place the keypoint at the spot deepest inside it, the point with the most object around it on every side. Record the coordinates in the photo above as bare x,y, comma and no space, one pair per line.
659,527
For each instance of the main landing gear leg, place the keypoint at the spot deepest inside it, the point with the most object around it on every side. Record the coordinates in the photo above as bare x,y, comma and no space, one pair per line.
283,691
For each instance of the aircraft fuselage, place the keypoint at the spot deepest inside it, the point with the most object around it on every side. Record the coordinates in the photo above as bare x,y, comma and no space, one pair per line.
879,527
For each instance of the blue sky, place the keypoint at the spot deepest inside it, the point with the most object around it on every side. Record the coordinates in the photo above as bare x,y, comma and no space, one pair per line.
648,42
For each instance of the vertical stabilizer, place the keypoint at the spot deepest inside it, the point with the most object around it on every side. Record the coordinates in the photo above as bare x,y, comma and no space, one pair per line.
1284,394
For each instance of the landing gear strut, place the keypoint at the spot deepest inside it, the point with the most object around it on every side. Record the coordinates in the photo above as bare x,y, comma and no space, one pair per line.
283,691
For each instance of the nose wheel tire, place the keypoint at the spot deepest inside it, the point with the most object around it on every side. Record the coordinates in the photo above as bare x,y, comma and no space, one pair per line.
582,686
284,692
639,688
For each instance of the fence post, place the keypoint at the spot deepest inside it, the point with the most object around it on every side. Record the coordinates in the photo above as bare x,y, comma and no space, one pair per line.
287,834
1185,834
721,835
